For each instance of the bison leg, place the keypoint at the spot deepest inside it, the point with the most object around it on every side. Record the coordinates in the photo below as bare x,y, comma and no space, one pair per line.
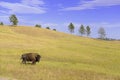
34,62
24,61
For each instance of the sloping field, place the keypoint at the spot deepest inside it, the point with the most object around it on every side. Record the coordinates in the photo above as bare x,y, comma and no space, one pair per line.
64,56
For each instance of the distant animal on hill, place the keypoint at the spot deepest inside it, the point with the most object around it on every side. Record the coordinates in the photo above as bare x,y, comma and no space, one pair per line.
33,57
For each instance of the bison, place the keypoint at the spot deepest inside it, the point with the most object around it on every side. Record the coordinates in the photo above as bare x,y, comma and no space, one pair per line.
33,57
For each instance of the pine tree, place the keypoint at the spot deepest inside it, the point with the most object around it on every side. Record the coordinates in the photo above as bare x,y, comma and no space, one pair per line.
82,30
47,27
71,27
54,29
88,30
1,23
13,19
37,25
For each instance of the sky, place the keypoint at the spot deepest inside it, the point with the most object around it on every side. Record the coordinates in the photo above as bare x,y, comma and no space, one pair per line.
59,13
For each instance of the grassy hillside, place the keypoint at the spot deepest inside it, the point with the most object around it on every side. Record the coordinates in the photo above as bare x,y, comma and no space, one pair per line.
64,56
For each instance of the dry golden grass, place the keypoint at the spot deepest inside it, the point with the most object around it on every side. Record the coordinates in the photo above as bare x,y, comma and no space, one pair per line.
64,57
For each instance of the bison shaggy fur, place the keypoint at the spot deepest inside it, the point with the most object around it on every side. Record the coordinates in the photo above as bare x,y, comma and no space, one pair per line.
30,57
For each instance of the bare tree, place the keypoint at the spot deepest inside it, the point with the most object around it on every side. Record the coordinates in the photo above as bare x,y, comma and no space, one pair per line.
101,33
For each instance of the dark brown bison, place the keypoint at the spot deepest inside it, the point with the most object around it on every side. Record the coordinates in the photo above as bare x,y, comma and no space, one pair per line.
33,57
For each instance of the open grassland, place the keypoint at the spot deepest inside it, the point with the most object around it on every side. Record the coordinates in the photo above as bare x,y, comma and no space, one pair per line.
64,57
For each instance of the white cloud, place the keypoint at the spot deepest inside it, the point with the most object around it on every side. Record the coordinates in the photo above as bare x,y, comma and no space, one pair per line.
33,2
24,7
93,4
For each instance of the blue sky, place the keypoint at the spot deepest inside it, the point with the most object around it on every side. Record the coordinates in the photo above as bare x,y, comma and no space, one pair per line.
59,13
